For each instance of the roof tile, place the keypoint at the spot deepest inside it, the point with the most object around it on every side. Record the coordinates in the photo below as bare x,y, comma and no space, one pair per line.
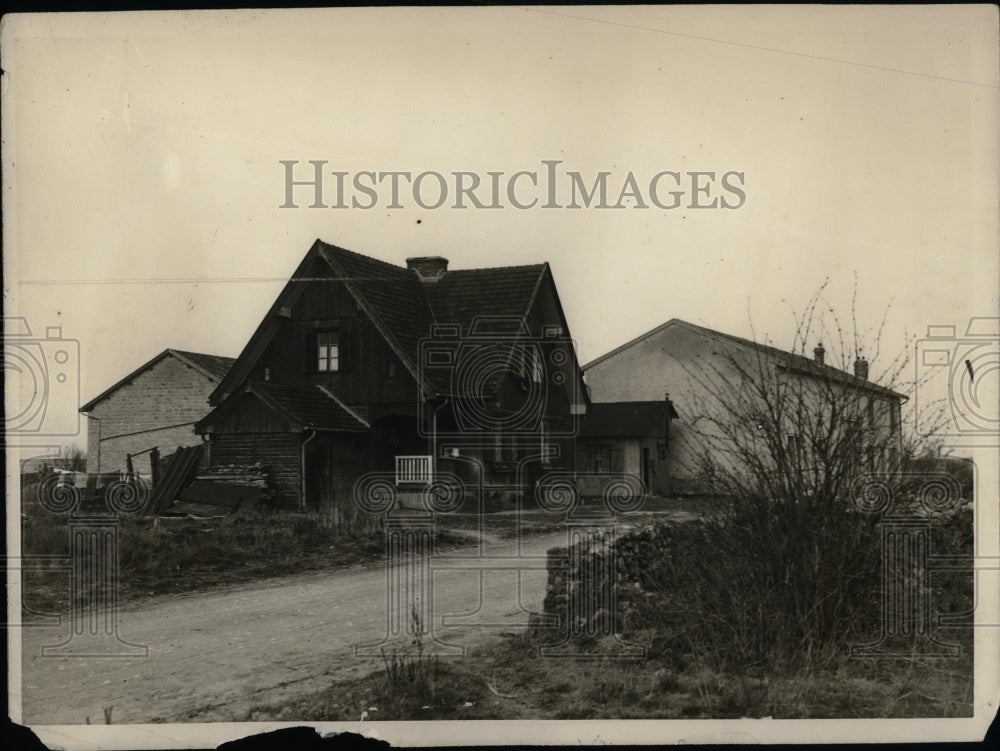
310,407
215,365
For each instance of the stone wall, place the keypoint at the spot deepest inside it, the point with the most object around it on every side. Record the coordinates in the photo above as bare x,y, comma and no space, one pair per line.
598,584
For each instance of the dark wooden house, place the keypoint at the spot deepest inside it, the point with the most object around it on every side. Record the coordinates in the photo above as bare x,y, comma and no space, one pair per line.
362,366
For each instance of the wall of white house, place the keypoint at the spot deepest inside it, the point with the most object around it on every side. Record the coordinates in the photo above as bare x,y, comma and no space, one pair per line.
677,361
692,367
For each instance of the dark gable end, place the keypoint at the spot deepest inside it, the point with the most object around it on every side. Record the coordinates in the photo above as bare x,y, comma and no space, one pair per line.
402,307
266,330
392,297
549,279
300,408
389,295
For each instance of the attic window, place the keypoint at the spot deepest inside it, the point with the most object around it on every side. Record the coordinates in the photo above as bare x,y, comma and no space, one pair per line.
328,351
390,368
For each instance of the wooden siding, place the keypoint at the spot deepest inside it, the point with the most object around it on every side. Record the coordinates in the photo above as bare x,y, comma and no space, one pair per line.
334,463
278,453
327,305
248,415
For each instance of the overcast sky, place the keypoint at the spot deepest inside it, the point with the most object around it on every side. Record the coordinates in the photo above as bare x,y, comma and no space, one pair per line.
143,181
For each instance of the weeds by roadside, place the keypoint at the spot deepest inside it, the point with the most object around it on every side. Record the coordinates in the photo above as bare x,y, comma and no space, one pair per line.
411,680
159,556
722,642
507,680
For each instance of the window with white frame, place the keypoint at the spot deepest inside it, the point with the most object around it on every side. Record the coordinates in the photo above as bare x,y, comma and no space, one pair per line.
328,351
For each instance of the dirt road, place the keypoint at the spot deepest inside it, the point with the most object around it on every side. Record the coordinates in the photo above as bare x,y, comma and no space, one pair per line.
213,656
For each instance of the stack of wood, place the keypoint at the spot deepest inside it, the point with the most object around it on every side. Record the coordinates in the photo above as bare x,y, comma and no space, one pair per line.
218,491
247,475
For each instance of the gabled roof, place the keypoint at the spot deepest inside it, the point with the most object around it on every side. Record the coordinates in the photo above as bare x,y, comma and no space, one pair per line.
392,296
213,367
463,295
627,419
402,307
305,408
790,360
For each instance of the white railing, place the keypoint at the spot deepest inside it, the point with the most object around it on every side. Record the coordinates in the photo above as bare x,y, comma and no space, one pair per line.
413,470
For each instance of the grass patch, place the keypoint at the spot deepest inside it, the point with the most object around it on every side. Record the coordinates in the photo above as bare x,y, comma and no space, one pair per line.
508,680
508,525
173,556
504,527
718,645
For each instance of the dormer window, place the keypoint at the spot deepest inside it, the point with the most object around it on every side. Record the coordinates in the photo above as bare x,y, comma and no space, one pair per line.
328,351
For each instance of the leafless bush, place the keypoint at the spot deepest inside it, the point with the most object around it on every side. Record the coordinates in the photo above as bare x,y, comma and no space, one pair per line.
789,573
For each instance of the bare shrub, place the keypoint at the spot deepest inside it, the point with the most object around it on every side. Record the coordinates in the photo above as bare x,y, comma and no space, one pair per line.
787,575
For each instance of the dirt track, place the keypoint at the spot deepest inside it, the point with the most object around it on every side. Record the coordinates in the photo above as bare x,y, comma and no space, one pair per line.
213,656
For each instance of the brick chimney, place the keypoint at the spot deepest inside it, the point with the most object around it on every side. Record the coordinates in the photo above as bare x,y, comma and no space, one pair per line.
428,268
819,353
861,368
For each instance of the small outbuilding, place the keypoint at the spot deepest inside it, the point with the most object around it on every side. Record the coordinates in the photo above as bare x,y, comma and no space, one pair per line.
628,438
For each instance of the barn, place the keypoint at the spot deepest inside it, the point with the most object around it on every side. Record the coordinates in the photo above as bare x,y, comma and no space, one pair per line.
154,407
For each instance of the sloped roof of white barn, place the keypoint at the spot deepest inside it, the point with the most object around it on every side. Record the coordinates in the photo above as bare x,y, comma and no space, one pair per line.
780,357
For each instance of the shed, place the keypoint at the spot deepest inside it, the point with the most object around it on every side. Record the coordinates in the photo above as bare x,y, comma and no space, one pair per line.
628,438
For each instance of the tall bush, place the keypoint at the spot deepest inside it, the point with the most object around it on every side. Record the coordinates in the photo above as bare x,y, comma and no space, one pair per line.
789,571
